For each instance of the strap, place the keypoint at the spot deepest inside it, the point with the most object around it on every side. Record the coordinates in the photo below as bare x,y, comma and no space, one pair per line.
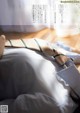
39,45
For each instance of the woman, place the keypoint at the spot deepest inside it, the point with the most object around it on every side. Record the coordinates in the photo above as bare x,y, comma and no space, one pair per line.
29,83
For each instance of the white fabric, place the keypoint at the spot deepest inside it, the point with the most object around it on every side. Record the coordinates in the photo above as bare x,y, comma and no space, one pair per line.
64,17
20,14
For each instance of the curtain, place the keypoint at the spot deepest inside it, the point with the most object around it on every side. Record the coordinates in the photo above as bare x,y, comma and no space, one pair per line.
67,14
34,15
17,15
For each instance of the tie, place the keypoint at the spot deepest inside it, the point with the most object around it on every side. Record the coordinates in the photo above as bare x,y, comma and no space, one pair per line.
39,45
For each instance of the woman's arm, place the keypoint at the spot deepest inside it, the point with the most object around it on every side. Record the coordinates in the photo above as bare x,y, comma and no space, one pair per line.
2,44
31,103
